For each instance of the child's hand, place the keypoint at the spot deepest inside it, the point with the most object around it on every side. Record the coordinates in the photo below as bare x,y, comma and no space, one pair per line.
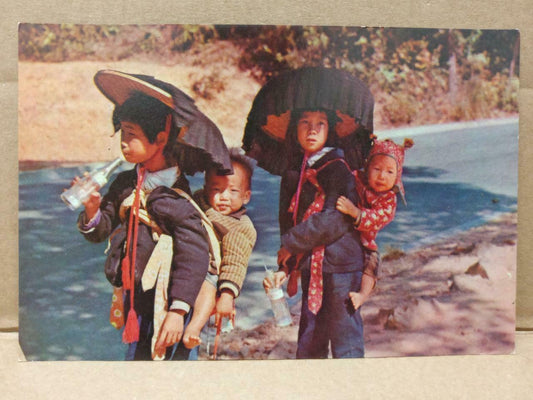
283,256
345,206
74,181
224,306
357,299
279,278
170,332
267,284
92,204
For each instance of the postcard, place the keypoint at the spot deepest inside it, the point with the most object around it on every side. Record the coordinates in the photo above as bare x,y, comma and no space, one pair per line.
383,198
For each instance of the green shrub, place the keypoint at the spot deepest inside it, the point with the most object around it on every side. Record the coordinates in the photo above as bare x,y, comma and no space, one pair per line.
407,69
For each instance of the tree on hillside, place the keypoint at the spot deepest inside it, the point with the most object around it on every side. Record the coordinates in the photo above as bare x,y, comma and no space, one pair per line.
441,73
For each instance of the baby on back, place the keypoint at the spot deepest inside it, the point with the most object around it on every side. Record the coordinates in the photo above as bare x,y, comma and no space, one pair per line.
377,187
223,199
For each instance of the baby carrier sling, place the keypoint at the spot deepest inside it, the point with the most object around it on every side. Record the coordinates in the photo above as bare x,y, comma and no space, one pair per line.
316,282
157,270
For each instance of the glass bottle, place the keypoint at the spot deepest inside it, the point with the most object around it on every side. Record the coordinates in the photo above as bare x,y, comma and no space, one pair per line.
78,193
278,302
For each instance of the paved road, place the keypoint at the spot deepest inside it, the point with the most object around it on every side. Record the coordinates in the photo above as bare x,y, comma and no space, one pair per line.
483,154
456,176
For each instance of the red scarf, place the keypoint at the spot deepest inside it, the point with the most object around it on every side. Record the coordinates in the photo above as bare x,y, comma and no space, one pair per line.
131,331
316,286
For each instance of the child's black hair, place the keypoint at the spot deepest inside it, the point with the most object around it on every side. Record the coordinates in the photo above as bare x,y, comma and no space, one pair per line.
151,115
245,162
237,157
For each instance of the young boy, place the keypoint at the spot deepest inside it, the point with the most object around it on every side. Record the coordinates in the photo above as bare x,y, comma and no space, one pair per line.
223,199
142,202
377,187
322,240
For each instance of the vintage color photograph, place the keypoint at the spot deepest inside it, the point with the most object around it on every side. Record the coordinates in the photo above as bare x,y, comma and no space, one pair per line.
266,192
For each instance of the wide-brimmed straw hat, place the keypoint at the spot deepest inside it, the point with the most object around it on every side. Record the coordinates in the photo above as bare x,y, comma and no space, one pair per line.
119,86
200,144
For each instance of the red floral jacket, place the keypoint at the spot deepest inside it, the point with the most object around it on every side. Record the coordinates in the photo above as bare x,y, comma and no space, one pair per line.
377,210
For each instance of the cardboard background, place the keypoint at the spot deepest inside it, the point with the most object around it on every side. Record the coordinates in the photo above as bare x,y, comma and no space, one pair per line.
467,377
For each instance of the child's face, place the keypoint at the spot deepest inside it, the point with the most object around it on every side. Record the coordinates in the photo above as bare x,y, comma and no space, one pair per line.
312,131
382,172
228,193
135,146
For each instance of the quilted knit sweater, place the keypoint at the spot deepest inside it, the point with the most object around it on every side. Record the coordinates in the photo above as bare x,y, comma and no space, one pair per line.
237,237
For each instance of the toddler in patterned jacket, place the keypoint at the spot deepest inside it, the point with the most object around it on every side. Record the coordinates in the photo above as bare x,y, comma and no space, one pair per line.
377,186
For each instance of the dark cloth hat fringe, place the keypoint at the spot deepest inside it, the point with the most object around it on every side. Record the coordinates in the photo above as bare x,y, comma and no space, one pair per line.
310,88
200,144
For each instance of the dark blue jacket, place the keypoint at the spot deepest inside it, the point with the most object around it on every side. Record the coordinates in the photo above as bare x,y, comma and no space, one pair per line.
343,251
175,216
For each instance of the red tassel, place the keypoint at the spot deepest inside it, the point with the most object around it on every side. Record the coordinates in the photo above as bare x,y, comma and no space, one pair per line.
131,331
126,281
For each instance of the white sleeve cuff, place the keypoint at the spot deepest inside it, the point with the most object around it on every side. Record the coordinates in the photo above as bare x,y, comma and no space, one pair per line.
180,305
231,286
91,225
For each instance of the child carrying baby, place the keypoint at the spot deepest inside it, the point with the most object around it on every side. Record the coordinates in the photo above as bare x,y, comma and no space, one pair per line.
143,209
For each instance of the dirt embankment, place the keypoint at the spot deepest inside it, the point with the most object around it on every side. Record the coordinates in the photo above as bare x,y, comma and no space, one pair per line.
64,118
453,297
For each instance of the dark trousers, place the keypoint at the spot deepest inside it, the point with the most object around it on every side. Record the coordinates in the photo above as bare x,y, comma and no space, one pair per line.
336,322
142,349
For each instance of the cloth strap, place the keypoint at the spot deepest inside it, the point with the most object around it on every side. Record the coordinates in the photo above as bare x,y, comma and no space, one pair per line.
157,273
214,245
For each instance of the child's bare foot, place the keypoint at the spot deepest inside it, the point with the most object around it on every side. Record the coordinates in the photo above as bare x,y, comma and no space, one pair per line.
191,338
